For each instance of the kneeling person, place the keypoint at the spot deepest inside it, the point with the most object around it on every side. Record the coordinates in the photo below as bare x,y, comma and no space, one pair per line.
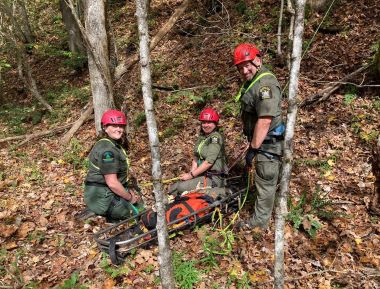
106,191
209,161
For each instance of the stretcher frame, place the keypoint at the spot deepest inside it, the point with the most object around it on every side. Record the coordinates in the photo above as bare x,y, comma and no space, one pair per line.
112,238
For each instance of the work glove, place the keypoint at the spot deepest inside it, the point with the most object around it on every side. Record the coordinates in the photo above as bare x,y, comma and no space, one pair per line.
249,156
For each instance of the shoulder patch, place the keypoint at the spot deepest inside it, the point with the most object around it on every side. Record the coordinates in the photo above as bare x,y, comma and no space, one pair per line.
214,139
108,157
265,92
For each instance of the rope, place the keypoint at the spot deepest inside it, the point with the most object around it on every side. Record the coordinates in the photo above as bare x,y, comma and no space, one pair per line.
163,181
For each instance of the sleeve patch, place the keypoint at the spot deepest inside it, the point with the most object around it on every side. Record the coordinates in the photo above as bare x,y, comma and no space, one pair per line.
265,92
214,139
108,157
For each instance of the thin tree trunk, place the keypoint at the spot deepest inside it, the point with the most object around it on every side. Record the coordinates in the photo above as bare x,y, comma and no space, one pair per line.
26,76
100,75
279,29
281,209
75,40
290,10
25,24
165,260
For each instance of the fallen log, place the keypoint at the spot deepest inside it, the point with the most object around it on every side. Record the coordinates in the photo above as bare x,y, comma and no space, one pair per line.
87,113
28,137
326,92
122,68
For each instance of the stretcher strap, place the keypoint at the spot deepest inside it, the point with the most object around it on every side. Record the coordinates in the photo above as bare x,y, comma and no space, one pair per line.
112,252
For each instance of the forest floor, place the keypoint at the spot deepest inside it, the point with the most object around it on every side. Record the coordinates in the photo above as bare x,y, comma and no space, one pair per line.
337,243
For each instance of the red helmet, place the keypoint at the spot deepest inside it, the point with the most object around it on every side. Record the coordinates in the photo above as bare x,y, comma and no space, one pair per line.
113,116
209,114
245,52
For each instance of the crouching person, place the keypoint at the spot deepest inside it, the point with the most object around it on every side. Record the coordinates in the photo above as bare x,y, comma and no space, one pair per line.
209,162
106,190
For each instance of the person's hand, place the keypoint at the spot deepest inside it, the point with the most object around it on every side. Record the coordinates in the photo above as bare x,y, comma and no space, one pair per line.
135,198
186,177
249,156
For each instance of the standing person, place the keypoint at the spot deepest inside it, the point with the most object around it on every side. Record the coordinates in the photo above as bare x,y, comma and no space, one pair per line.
209,161
260,108
106,190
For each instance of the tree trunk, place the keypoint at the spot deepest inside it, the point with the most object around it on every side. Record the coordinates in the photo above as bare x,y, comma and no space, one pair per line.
98,59
25,23
290,10
75,40
281,209
165,260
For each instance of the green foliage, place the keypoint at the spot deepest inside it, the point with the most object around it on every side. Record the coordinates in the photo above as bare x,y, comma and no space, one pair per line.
308,210
75,155
73,60
15,118
349,98
140,118
230,108
185,273
112,270
241,283
72,283
376,104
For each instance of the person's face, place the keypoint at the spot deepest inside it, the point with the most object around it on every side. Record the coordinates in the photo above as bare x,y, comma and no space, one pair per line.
115,131
247,70
208,126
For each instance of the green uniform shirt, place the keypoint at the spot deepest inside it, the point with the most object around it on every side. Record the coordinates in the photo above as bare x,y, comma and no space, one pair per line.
210,148
107,157
263,98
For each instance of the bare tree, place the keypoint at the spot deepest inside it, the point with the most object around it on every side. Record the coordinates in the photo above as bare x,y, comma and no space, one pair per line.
281,209
165,260
94,35
75,40
10,30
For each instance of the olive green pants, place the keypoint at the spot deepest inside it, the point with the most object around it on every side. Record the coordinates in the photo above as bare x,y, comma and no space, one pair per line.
102,201
192,184
266,177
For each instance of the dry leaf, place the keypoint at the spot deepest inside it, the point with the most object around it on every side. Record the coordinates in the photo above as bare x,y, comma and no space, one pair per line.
108,284
25,228
7,230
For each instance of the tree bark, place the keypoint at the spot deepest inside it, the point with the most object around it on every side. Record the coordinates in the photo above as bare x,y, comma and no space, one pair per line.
164,259
75,40
124,67
290,10
98,59
279,29
281,209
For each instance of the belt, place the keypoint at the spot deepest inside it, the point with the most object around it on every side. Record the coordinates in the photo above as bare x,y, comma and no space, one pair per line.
273,139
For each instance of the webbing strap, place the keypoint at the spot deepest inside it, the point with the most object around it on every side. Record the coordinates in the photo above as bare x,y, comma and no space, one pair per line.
238,96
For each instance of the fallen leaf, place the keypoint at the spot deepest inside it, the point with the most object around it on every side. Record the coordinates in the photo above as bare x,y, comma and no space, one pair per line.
108,284
7,230
25,228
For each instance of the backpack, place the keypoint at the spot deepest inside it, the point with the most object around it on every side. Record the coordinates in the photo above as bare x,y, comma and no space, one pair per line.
181,207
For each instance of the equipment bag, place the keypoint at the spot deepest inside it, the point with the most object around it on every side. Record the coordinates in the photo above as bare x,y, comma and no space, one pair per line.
181,207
